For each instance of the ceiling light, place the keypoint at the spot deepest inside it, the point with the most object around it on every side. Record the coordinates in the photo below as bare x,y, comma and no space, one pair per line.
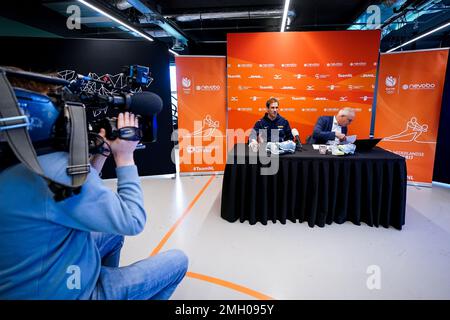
420,37
116,20
173,52
285,12
177,45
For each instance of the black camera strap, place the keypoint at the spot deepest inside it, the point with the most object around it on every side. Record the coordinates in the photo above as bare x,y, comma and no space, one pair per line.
13,124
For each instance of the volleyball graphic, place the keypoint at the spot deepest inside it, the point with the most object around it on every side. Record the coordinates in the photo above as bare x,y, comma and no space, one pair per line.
390,81
186,82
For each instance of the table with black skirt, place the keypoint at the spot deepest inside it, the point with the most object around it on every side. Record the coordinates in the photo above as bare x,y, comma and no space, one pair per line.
368,187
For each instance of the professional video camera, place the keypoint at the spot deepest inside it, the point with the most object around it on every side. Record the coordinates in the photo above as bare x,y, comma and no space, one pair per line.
107,95
70,117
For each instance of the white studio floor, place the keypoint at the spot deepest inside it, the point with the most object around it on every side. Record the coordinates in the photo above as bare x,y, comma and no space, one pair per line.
293,261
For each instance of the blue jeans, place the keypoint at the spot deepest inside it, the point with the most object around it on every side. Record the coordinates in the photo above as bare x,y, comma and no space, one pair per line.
153,278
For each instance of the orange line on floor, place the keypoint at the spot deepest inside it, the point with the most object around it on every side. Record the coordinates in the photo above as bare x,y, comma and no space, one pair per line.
180,219
229,285
220,282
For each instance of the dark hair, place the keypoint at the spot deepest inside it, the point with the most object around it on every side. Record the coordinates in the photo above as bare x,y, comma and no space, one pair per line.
31,85
270,101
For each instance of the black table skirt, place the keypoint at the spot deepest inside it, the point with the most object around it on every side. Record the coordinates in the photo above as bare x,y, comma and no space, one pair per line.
365,187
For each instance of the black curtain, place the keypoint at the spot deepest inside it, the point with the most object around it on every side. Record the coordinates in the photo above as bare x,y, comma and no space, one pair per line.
441,163
104,56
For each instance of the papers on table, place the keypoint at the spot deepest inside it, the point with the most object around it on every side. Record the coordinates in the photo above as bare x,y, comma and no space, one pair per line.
350,139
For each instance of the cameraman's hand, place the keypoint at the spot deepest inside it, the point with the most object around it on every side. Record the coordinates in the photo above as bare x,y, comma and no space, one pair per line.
253,146
122,150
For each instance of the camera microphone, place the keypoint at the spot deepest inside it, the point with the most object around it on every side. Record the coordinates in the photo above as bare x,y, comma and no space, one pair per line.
142,103
145,103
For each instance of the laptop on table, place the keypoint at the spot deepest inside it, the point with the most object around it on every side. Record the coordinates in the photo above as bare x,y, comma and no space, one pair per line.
366,144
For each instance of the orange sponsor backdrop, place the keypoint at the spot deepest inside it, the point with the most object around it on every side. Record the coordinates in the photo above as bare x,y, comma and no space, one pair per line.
408,107
311,73
201,113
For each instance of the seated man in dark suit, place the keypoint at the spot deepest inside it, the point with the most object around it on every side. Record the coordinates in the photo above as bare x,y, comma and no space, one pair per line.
332,128
269,126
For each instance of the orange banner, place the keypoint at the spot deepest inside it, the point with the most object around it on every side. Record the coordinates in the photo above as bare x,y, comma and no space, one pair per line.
408,107
201,113
310,73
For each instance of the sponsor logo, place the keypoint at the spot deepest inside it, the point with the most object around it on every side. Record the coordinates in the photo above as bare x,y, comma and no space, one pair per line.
200,149
277,76
354,87
255,76
343,99
390,81
335,64
311,65
299,76
244,87
321,76
367,75
245,65
309,109
321,99
234,76
288,109
244,109
266,65
254,98
186,82
310,88
234,99
358,64
330,109
332,87
347,75
266,87
298,98
208,87
365,98
419,86
287,88
289,65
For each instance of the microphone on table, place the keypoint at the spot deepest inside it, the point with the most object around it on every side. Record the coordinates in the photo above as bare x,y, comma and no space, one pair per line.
297,139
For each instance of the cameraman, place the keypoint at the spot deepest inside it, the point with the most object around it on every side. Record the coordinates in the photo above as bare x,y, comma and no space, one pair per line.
70,249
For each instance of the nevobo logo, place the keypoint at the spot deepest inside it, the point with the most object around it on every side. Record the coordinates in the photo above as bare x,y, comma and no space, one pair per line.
419,86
